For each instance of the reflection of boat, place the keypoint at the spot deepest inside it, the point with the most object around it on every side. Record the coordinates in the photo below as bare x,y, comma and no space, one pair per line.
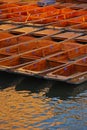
65,91
32,84
75,73
9,80
43,66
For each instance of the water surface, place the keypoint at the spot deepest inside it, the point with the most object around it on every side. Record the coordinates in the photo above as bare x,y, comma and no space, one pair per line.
27,103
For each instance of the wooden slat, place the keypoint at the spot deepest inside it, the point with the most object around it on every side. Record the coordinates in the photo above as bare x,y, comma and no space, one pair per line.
25,29
45,32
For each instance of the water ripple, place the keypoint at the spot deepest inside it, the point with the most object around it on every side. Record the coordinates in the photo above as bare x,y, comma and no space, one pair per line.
36,104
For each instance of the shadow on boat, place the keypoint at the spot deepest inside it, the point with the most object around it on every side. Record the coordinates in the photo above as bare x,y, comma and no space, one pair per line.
8,80
64,90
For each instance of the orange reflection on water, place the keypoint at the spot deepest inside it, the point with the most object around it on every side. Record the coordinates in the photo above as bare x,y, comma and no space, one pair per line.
24,110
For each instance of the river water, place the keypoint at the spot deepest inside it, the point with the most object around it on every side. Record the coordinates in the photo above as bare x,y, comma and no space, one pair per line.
28,103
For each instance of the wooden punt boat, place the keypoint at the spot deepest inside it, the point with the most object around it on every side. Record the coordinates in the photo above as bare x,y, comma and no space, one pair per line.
29,16
43,66
64,13
79,27
74,73
37,51
65,24
63,16
32,9
21,6
8,39
26,11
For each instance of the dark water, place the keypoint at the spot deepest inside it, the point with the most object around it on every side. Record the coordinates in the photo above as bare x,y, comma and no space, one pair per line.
35,104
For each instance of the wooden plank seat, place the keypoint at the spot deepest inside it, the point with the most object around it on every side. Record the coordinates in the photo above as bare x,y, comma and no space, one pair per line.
62,16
